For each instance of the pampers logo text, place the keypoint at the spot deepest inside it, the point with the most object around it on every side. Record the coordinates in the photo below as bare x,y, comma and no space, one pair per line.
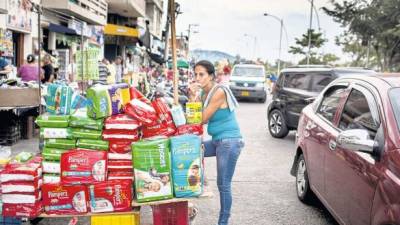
78,160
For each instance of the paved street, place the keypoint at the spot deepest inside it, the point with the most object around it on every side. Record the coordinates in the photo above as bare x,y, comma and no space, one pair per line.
264,191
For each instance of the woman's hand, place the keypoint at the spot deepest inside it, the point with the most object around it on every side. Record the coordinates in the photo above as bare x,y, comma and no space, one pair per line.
194,90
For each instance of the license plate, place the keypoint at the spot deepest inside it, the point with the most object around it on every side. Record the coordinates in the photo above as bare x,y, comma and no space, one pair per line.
245,93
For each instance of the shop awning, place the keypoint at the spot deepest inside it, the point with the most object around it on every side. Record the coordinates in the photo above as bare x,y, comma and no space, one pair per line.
112,29
61,29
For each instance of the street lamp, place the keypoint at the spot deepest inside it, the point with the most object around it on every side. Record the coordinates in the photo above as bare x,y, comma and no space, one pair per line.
189,32
309,33
255,43
280,39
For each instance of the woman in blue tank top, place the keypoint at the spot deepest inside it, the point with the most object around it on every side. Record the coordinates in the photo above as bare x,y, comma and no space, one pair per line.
226,142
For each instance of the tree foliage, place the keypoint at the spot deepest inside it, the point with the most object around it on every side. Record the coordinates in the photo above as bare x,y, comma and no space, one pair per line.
370,21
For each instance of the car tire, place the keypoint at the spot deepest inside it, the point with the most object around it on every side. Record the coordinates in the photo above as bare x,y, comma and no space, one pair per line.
303,190
277,124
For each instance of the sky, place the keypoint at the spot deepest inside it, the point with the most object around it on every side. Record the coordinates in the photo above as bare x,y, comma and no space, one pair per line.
239,27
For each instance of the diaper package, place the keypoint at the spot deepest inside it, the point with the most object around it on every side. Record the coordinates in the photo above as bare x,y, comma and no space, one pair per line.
99,102
58,99
64,133
141,111
22,210
187,170
120,175
158,129
80,120
60,143
83,166
92,144
122,122
178,115
51,167
52,154
85,133
115,135
60,199
120,146
196,129
151,162
119,96
110,196
55,121
51,178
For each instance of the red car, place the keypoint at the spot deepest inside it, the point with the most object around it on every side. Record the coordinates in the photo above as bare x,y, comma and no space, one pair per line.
348,150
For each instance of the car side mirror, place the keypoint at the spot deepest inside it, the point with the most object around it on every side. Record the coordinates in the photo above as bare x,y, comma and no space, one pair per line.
357,140
310,100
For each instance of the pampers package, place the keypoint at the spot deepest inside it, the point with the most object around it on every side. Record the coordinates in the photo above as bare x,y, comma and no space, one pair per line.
60,199
83,166
110,196
58,99
151,163
187,170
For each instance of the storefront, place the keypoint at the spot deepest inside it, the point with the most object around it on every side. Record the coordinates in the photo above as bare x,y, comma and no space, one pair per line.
117,38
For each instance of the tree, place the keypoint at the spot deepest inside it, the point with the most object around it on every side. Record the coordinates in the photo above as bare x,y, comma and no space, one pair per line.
374,22
317,41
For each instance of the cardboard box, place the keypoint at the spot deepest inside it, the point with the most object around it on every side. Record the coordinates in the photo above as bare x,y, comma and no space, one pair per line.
12,97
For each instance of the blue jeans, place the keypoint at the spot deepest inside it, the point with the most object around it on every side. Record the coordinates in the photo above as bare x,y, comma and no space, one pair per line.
227,152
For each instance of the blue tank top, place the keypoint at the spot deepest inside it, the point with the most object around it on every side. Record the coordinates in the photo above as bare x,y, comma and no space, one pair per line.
223,124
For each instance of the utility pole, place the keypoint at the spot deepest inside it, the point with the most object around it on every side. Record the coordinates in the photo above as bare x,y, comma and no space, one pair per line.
280,39
167,35
309,33
171,13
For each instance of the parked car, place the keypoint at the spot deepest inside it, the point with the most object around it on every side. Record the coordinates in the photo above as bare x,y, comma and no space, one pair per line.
297,87
348,150
248,81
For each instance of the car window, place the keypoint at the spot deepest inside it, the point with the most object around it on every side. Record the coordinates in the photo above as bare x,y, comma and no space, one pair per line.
297,81
330,102
359,113
395,100
320,81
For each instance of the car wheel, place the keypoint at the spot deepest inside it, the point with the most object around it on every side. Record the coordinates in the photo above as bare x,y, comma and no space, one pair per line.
277,124
304,193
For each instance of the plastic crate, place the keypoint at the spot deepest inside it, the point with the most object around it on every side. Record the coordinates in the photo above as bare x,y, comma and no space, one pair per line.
171,214
10,221
122,219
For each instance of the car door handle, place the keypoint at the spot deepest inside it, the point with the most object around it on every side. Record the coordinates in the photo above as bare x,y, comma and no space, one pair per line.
321,135
332,145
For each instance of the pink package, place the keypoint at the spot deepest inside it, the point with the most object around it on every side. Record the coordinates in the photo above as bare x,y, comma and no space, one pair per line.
117,156
121,175
59,199
120,146
141,111
116,135
120,165
21,172
83,166
121,122
111,196
21,186
22,210
158,129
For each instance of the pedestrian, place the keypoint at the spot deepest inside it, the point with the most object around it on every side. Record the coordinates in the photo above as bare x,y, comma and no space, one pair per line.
30,70
223,73
103,73
219,113
5,67
48,70
119,69
71,70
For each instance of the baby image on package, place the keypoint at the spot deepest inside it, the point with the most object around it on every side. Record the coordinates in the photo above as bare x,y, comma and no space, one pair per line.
187,169
151,160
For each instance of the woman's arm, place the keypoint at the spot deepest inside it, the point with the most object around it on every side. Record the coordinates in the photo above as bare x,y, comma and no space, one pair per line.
217,100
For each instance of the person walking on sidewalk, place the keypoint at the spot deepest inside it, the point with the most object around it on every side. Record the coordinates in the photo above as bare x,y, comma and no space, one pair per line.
226,144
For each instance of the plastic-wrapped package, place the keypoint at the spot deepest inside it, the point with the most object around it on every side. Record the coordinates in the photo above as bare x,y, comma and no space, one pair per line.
54,121
78,101
51,178
80,120
58,99
187,169
141,111
99,103
120,146
114,135
110,196
21,198
21,172
51,167
119,96
56,133
178,115
121,122
120,175
52,154
120,165
117,156
194,112
85,133
22,210
135,94
60,143
61,199
158,129
196,129
92,144
151,162
21,186
83,166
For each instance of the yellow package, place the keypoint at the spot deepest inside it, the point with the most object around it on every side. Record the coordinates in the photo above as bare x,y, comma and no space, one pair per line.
194,112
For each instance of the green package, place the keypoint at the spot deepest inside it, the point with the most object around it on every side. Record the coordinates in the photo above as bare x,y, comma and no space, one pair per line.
52,154
55,121
152,167
60,143
81,133
23,156
46,132
92,144
99,102
80,120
